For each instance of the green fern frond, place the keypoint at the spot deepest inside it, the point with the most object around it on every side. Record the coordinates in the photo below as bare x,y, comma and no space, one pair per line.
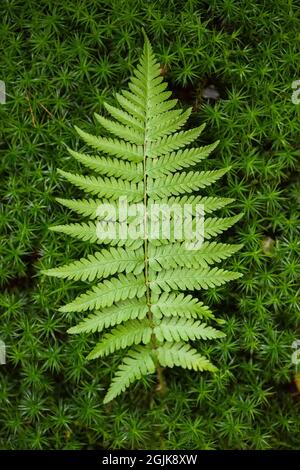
160,120
88,232
141,287
214,226
85,231
161,109
210,204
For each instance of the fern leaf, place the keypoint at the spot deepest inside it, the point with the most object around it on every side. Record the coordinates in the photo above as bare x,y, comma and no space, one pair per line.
124,117
181,354
214,226
133,332
110,316
181,159
162,108
139,362
168,125
89,232
101,265
174,141
142,85
110,167
171,256
128,134
210,204
85,207
106,187
160,120
137,282
177,329
177,304
131,108
108,292
183,183
114,147
135,100
84,231
183,278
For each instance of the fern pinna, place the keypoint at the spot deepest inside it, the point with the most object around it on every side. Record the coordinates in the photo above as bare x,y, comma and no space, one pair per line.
143,289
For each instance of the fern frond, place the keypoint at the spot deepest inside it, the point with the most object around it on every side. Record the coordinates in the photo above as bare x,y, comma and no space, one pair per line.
140,84
85,231
210,204
160,120
140,294
131,108
168,125
135,100
88,232
162,108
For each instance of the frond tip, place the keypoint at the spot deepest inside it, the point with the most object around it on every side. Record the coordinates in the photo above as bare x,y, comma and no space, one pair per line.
140,297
